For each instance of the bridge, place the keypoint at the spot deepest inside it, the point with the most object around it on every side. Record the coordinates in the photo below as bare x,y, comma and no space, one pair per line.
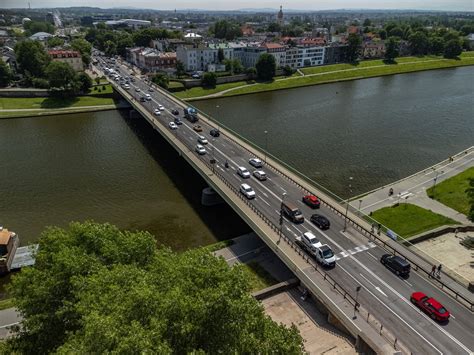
366,299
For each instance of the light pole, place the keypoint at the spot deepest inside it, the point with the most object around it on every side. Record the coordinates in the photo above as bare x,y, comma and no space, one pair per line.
398,201
266,145
435,180
347,204
356,301
281,211
360,203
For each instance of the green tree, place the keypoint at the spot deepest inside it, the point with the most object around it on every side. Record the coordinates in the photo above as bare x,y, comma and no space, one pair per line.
354,45
110,48
266,67
396,32
419,43
60,76
32,27
124,40
220,55
224,29
367,23
287,70
383,34
209,80
436,45
161,79
452,49
6,75
251,72
233,66
180,69
84,81
96,289
274,27
391,49
31,58
83,47
54,42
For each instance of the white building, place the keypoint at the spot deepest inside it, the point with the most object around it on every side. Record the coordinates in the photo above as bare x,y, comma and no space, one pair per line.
198,57
299,57
129,22
41,36
249,55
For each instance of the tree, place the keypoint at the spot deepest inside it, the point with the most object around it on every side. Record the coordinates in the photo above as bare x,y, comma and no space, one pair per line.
396,32
54,42
383,34
220,55
84,81
97,289
274,27
60,76
209,80
234,66
354,44
110,48
161,79
224,29
391,49
287,71
97,80
83,47
266,67
6,75
251,72
124,40
32,27
180,69
31,57
419,43
436,45
367,23
452,49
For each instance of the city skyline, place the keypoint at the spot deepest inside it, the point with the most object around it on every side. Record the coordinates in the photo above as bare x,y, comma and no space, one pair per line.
436,5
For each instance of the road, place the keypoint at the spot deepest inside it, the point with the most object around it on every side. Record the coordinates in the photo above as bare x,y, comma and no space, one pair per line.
383,293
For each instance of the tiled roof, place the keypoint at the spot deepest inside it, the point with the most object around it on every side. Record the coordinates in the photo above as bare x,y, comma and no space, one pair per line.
64,54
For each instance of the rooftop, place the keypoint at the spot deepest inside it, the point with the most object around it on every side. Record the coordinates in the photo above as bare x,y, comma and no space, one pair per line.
5,236
64,54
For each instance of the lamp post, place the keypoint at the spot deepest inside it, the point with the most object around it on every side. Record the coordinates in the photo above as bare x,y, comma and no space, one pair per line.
356,301
266,145
360,203
435,180
347,204
281,211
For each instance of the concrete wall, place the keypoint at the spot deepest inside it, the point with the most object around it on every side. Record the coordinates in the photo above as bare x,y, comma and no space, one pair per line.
24,92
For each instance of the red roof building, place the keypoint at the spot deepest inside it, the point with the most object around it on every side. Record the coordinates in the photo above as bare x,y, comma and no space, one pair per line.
73,58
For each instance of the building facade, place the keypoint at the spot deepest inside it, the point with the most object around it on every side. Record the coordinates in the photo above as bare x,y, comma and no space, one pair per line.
277,51
73,58
300,57
373,50
151,59
198,57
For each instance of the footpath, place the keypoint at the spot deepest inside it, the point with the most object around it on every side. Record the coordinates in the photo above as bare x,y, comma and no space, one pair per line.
413,188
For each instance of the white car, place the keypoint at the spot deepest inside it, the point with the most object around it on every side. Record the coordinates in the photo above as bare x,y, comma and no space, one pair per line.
247,191
322,252
150,89
172,125
260,175
202,140
161,107
137,89
148,97
126,87
243,172
256,162
157,112
199,148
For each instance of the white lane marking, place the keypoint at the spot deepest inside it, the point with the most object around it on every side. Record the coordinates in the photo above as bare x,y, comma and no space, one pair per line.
376,287
264,201
451,315
407,283
373,256
264,194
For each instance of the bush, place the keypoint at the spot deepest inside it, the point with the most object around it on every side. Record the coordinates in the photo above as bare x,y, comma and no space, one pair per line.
161,80
40,83
209,80
287,71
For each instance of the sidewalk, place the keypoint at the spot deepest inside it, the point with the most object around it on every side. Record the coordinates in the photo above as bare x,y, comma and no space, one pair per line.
413,188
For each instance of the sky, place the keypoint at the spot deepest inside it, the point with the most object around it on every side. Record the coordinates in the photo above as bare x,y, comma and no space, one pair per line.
450,5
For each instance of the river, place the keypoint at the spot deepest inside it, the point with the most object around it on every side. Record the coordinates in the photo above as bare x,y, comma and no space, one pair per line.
375,130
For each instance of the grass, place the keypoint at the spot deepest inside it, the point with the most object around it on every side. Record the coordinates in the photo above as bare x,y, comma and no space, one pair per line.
452,192
53,102
200,91
6,303
259,278
219,245
408,220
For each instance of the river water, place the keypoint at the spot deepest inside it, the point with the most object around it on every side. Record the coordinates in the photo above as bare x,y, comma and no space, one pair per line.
374,130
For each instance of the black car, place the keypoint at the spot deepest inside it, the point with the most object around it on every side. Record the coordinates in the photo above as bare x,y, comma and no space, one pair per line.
215,132
397,264
320,221
178,121
175,112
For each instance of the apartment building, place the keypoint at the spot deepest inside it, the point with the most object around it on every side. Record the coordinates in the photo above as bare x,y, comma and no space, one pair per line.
198,57
73,58
299,56
152,59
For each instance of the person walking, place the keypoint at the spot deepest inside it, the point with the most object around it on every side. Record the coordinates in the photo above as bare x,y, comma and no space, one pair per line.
433,270
439,270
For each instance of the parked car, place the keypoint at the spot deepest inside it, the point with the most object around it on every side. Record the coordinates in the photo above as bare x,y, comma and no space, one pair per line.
172,125
396,263
247,191
430,306
200,149
197,128
243,172
257,163
312,201
320,221
142,99
260,175
175,112
215,132
157,112
202,140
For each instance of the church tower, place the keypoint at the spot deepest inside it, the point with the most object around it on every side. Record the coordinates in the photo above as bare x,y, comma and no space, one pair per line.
280,16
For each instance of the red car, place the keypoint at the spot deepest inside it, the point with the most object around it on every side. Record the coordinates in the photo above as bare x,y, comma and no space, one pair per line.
312,201
430,306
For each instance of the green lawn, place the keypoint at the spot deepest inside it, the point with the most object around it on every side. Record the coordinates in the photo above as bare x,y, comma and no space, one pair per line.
452,192
407,220
6,303
219,245
258,276
53,102
200,91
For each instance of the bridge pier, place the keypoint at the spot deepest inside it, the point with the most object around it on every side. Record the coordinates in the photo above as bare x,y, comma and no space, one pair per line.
210,197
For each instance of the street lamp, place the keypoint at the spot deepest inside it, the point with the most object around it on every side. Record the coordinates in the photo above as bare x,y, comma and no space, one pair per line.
281,211
360,203
356,305
266,145
347,204
435,180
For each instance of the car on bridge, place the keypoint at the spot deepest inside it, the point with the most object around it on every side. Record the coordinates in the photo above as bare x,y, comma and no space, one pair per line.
260,175
173,125
161,107
430,306
178,121
199,148
197,128
396,263
321,252
215,132
202,140
243,172
137,89
312,201
175,112
148,97
255,162
157,112
247,191
320,221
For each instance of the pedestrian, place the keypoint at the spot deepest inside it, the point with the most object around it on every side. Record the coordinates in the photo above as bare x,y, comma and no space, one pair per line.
372,228
433,270
456,232
439,270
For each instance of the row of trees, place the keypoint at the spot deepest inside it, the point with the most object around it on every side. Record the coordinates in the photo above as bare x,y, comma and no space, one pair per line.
224,29
97,289
32,27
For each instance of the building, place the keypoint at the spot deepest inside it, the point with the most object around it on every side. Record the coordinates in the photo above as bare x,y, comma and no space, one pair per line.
132,23
279,19
41,36
374,49
73,58
277,51
152,59
197,57
300,56
335,53
192,37
8,245
248,55
470,40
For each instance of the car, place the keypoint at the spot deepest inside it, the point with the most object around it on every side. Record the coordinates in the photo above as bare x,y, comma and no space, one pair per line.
320,221
161,107
157,112
260,175
178,121
142,99
150,90
196,76
430,306
243,172
200,149
172,125
148,97
215,132
137,89
247,191
202,140
256,163
197,128
126,87
396,263
175,112
312,201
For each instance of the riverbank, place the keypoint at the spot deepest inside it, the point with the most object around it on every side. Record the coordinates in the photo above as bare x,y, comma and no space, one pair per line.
329,74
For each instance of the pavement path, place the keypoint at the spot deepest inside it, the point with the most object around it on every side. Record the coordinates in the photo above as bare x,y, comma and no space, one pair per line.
8,317
413,188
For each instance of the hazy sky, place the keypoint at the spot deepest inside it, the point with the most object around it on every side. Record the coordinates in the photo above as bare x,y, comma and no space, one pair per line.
453,5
